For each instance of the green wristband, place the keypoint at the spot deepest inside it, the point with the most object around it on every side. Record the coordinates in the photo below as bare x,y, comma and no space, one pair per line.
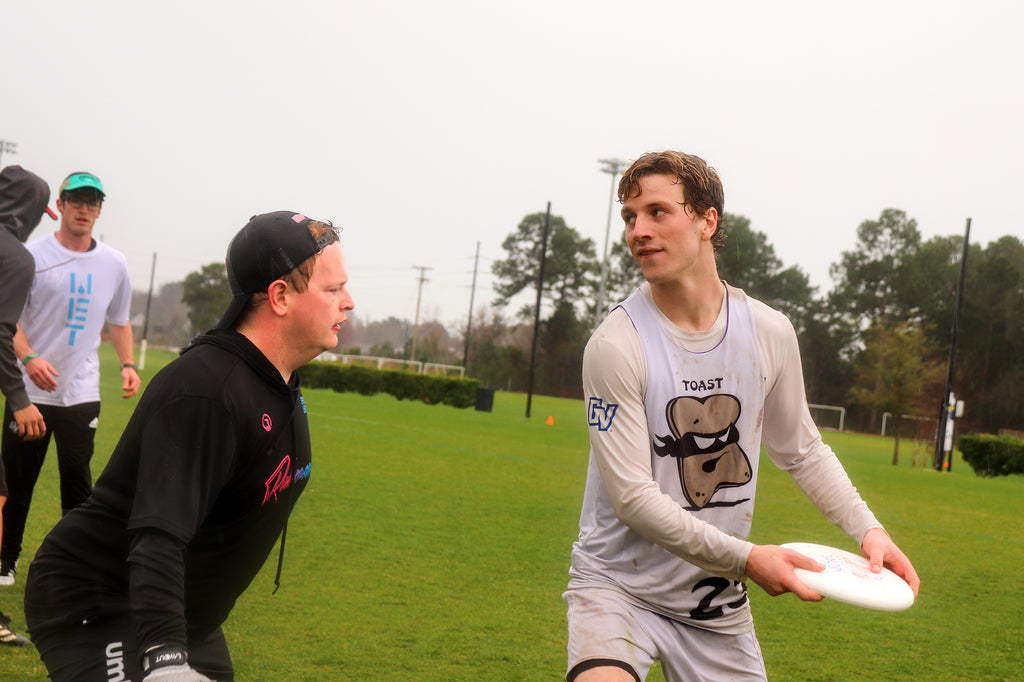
28,357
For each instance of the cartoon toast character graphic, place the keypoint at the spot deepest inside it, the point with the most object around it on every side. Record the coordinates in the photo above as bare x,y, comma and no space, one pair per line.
705,443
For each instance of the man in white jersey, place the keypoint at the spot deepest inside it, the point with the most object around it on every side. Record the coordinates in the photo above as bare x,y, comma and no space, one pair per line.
683,382
80,285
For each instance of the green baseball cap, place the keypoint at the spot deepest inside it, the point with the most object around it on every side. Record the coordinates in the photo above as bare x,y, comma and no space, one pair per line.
81,181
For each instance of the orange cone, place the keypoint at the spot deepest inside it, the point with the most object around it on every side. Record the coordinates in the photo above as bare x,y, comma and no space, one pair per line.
551,420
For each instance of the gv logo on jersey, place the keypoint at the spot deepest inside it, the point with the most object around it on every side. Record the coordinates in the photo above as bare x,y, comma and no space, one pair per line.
601,415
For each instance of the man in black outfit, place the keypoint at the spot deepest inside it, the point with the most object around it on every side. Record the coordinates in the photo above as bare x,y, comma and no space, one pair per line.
138,579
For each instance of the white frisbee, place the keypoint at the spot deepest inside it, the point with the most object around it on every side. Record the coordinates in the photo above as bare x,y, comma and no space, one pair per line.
848,578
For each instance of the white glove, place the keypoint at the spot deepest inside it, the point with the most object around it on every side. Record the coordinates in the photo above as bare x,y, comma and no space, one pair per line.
176,673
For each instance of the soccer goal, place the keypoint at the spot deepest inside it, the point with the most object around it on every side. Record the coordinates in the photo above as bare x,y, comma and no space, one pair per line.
830,417
395,363
919,428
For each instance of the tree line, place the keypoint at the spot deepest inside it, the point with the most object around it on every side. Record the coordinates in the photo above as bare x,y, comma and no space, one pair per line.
876,342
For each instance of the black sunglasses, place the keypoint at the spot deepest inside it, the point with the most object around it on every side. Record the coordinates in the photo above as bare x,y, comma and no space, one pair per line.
80,199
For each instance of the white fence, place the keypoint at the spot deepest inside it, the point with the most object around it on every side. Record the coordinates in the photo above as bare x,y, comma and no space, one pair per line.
394,363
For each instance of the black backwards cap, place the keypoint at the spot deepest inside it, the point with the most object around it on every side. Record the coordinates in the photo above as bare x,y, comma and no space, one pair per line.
269,247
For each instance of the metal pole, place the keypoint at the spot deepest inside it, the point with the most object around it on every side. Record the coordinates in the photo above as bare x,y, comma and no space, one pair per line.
416,321
145,323
469,319
611,166
943,410
536,312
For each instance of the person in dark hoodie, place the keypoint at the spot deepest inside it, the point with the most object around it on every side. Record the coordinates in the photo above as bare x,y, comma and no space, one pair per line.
136,582
23,203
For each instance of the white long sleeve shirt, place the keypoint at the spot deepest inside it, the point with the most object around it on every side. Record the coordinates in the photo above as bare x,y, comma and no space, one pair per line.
669,536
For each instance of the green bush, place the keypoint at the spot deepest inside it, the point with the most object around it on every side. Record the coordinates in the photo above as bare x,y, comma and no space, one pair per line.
992,455
433,390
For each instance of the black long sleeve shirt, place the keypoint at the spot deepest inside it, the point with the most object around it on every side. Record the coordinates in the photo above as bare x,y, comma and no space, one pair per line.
190,504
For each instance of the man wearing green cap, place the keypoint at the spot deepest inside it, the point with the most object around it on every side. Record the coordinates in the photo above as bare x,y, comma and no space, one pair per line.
80,285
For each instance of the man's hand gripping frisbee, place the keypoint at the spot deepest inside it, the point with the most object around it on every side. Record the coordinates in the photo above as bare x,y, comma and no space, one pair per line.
772,567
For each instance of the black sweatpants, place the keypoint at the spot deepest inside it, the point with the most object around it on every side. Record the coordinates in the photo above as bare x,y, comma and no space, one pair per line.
103,648
74,431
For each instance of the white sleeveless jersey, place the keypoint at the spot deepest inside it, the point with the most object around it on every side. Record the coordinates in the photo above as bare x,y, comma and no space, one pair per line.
704,414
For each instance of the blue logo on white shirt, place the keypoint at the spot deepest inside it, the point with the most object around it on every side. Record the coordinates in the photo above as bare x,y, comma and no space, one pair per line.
601,415
78,306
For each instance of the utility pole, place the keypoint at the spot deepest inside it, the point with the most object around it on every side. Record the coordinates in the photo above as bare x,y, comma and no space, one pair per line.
612,167
416,320
945,409
7,146
536,312
469,320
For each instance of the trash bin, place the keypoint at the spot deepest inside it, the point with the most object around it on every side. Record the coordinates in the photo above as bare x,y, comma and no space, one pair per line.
484,399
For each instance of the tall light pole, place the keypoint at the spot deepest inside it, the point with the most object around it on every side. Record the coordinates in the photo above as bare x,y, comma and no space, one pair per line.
612,167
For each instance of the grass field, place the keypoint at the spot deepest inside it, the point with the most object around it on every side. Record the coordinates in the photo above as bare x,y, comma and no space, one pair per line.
432,544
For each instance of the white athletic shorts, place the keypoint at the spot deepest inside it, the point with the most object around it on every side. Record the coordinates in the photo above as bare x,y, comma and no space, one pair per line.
605,628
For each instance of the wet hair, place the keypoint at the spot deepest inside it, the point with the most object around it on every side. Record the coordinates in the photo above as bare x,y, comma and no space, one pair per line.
701,184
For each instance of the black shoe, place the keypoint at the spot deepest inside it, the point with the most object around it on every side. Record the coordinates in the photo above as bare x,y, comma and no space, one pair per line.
9,637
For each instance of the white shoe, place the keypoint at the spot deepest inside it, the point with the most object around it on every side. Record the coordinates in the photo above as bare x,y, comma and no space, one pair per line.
7,571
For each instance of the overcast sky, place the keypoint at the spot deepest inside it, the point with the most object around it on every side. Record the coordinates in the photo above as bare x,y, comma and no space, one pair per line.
424,128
